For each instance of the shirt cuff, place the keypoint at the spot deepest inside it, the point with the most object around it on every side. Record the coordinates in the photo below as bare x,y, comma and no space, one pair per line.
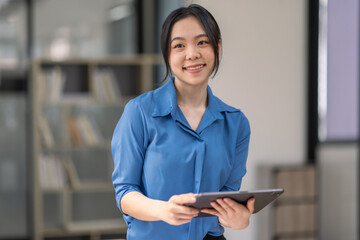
122,192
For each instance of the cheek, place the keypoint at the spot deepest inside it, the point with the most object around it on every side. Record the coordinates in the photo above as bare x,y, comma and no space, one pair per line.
211,57
209,53
174,60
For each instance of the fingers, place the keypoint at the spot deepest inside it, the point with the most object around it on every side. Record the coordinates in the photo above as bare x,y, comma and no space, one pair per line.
179,201
228,206
183,210
230,213
221,206
183,198
178,220
184,216
210,211
177,212
251,205
231,205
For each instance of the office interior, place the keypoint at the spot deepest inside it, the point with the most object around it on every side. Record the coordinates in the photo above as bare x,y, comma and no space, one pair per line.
291,66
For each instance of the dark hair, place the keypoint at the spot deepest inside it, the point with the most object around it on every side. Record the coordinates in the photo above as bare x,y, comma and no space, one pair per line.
207,21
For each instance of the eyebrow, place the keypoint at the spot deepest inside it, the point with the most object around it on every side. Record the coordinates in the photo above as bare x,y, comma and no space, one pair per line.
181,38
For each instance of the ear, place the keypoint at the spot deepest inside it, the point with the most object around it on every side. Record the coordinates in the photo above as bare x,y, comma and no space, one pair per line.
220,47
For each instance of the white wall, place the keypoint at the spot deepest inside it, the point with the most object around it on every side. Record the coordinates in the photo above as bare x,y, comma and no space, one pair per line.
263,72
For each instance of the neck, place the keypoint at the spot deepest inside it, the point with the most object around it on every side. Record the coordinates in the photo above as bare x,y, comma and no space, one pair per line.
191,96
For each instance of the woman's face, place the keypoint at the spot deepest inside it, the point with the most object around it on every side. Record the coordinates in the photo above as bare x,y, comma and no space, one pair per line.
191,54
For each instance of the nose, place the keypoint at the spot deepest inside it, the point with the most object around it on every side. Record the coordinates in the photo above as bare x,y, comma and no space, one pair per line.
192,53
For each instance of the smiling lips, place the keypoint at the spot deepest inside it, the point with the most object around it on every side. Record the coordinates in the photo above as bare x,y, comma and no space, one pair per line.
194,68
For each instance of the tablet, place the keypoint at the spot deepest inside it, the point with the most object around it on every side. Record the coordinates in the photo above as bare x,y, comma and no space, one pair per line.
262,198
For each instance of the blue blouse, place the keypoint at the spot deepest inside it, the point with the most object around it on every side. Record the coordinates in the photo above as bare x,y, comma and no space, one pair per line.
157,153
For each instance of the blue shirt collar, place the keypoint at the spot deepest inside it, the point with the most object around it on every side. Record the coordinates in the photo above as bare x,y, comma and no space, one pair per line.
165,102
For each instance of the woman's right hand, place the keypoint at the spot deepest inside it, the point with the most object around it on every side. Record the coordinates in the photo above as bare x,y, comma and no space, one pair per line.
175,212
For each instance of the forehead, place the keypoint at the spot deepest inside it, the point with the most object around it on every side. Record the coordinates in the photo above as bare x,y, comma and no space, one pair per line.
188,26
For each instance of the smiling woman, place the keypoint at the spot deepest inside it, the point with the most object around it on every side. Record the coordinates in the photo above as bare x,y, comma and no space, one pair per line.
191,54
208,29
180,140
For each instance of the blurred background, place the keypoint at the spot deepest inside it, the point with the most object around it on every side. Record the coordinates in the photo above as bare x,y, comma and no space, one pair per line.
68,67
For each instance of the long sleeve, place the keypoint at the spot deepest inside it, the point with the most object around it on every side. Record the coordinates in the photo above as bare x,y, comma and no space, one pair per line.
128,150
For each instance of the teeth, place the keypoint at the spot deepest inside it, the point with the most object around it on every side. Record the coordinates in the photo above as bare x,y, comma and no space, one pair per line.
194,68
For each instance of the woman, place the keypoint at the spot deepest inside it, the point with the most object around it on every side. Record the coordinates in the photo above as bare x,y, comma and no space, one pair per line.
179,140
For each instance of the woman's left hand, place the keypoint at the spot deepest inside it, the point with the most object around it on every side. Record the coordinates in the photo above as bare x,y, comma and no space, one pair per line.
230,213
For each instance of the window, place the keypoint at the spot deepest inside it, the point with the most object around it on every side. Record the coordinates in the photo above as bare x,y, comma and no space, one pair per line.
338,94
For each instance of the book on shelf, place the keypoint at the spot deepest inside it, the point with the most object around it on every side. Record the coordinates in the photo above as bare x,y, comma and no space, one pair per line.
72,174
295,219
51,85
83,130
96,132
107,88
45,131
92,134
52,82
296,212
41,87
298,182
52,172
86,130
74,131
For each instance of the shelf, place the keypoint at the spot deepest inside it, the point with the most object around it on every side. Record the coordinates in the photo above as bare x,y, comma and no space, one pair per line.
82,187
76,105
143,59
87,101
297,235
87,228
105,225
296,200
71,147
113,225
295,213
54,190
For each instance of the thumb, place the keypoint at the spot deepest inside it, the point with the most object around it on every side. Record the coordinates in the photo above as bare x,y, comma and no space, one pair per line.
183,198
251,205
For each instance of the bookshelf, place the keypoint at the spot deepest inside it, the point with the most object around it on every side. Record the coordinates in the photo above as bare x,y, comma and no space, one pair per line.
13,166
76,104
295,213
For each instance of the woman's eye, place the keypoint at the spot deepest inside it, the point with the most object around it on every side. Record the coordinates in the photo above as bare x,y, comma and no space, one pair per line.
178,46
202,42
